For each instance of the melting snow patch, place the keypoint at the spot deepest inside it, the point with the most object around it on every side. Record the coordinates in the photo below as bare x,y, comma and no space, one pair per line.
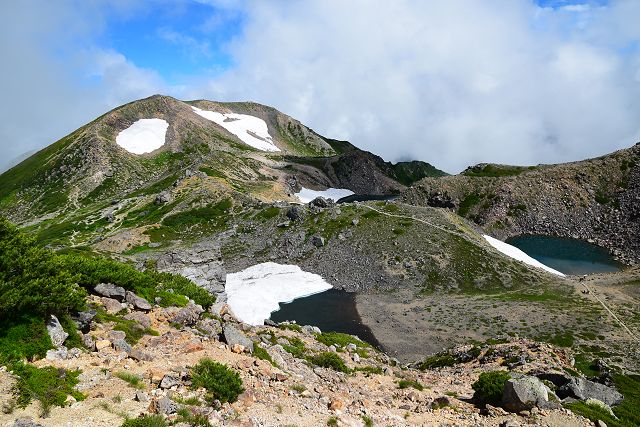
254,293
515,253
251,130
305,195
144,136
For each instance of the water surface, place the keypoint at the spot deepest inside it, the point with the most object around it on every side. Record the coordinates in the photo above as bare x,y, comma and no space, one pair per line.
331,311
570,256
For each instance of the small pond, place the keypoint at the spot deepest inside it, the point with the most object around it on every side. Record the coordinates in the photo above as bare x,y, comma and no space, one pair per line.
570,256
331,311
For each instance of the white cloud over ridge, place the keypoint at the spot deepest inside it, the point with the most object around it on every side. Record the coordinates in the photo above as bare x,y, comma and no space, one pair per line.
452,82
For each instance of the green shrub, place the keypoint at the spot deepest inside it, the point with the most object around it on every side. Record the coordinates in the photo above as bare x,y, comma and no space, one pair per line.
339,339
194,420
146,421
23,338
220,382
467,203
410,383
489,387
49,385
368,370
330,360
295,347
261,353
132,329
332,422
368,422
132,379
439,360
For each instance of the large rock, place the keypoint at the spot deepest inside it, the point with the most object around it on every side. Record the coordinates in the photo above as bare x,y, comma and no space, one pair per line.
188,315
83,319
524,393
233,337
140,318
26,422
319,202
110,290
112,306
202,264
583,389
56,332
138,302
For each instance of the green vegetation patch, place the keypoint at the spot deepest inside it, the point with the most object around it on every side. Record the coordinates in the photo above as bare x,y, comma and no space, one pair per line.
490,386
215,216
23,338
467,203
220,382
339,339
402,384
49,385
131,379
494,171
329,360
439,360
146,421
134,332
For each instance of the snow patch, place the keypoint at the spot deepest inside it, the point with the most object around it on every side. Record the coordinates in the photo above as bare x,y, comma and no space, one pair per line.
515,253
254,293
144,136
251,130
306,195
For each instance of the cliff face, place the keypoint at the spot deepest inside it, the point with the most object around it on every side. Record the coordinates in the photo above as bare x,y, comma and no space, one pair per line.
596,200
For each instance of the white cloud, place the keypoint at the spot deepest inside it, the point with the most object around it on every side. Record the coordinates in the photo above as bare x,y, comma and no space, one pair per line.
453,83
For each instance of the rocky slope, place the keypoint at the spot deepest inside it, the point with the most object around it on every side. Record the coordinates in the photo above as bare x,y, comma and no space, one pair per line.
284,381
596,200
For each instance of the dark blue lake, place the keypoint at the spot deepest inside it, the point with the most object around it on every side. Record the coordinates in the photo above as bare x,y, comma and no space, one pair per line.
331,311
569,256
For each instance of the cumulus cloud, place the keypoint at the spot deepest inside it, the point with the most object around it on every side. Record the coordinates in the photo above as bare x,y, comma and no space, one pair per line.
453,83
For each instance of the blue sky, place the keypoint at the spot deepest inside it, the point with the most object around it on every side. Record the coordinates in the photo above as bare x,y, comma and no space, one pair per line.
452,82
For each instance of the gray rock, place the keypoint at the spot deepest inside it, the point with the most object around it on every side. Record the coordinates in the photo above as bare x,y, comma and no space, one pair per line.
169,381
583,389
318,241
319,202
56,332
294,213
141,396
140,318
111,305
83,319
201,263
188,315
211,327
138,302
116,335
233,336
167,406
88,342
524,393
110,290
140,355
122,345
162,198
57,354
26,422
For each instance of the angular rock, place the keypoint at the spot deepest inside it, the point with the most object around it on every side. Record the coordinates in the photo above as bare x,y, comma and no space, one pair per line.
166,406
138,302
189,315
318,241
110,290
211,327
57,354
116,335
111,305
524,393
169,381
26,422
162,198
583,389
56,332
140,356
121,345
140,318
141,396
102,344
88,342
319,202
233,336
83,319
294,213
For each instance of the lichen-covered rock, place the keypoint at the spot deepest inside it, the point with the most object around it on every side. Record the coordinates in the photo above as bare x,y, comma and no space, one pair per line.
56,332
233,337
524,393
110,290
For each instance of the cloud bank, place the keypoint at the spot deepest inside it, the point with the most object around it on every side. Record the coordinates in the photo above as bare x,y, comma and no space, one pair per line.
452,82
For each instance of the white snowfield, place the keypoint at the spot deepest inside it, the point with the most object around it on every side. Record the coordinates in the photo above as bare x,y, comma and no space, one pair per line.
515,253
254,293
144,136
251,130
306,195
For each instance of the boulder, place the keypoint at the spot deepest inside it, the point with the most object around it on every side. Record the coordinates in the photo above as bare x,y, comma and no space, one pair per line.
121,345
83,319
318,241
138,302
110,290
583,389
169,381
166,406
26,422
188,315
56,332
111,305
140,318
524,393
140,355
102,344
233,337
294,213
88,342
211,327
319,202
162,198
